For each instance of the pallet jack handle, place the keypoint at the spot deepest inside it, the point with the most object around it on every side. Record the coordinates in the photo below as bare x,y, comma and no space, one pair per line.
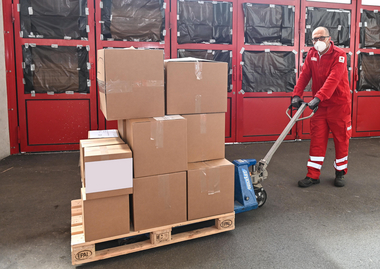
261,173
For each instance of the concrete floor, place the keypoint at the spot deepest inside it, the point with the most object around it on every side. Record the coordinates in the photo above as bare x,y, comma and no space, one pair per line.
318,227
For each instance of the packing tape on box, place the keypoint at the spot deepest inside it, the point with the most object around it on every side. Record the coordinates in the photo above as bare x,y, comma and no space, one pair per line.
198,69
157,132
198,103
164,189
101,86
210,179
104,153
117,86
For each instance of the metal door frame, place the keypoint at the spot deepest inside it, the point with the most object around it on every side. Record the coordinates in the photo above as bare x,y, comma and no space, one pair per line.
302,133
364,95
22,98
231,96
242,46
8,20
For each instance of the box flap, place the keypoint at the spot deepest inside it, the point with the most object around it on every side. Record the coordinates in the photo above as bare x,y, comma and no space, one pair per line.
101,141
187,59
112,152
103,133
100,66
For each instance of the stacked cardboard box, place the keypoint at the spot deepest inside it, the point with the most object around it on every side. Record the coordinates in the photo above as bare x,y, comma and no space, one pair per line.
107,180
179,170
196,89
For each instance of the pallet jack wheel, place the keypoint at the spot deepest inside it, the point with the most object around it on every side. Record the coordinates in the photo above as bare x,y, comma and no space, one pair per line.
261,195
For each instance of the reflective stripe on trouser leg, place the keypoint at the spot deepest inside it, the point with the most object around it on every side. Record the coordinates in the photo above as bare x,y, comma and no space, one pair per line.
319,133
341,164
339,121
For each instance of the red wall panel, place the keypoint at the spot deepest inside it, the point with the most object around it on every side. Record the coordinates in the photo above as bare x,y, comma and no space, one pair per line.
59,122
265,116
367,114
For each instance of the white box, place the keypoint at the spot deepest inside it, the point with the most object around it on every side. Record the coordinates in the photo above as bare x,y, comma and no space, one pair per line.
108,169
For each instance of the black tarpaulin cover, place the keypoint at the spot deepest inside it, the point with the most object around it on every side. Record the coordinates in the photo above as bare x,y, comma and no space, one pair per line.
337,21
204,22
133,20
308,87
213,55
370,30
269,71
53,19
269,24
57,70
369,76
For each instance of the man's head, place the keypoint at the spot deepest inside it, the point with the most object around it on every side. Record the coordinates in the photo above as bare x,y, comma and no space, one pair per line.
321,35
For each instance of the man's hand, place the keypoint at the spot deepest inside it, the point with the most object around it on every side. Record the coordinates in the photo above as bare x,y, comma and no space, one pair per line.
296,102
314,103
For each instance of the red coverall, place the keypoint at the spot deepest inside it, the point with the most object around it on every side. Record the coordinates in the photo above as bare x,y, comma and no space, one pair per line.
330,84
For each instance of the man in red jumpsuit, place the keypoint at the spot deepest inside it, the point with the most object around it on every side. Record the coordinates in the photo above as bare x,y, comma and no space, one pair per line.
326,65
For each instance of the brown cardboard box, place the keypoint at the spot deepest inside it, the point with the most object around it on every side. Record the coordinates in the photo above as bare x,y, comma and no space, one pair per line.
108,169
105,217
131,83
159,200
159,145
205,137
94,143
210,189
195,87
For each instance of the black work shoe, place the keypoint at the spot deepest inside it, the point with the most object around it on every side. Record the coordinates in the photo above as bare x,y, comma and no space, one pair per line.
307,182
339,179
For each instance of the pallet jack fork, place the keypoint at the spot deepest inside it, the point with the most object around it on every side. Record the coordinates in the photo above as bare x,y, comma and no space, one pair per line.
249,193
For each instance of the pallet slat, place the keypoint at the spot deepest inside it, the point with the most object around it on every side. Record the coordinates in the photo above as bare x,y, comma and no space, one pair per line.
84,252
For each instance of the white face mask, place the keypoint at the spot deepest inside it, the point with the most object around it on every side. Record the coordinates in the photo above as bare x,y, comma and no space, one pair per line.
320,46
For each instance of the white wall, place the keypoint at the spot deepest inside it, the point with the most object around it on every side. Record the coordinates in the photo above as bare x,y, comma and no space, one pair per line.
4,126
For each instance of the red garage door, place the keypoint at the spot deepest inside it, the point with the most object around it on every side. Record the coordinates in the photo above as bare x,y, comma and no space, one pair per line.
56,89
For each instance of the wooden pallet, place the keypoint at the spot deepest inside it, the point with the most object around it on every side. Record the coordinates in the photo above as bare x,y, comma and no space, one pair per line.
84,252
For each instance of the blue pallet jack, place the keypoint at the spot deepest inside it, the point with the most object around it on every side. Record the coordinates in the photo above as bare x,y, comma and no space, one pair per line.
249,193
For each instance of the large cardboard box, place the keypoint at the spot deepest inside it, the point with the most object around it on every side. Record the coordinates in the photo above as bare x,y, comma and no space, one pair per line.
94,143
210,189
195,86
105,217
205,137
108,169
131,83
159,200
159,145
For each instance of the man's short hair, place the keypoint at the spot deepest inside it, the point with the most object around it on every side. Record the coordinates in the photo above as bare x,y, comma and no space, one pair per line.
327,32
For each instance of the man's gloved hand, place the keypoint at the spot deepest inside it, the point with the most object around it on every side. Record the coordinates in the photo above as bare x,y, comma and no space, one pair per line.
314,103
296,101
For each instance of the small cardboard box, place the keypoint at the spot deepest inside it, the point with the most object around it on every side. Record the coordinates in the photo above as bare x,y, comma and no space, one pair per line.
159,200
102,134
205,137
210,189
131,83
108,169
159,145
94,143
195,86
105,217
